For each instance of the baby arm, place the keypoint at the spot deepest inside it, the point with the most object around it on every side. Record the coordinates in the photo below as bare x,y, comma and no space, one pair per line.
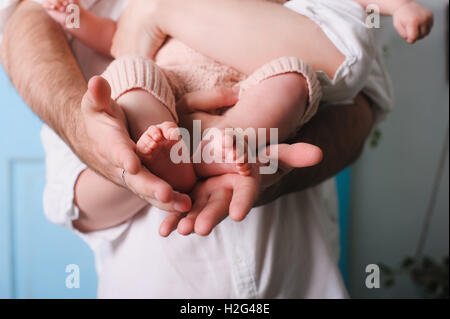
411,20
94,31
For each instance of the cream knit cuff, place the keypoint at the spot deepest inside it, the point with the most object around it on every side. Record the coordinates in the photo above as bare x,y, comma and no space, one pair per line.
134,72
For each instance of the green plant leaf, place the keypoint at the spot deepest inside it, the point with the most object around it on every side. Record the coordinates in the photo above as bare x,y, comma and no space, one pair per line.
427,262
408,262
375,138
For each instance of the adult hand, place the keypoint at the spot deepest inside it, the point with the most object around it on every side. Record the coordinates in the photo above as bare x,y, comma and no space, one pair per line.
230,194
233,195
214,199
108,149
138,18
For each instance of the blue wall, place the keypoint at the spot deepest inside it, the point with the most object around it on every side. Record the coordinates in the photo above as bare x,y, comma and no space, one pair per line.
33,252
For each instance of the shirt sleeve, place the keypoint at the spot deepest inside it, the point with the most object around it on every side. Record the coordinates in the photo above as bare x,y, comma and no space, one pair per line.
62,171
379,89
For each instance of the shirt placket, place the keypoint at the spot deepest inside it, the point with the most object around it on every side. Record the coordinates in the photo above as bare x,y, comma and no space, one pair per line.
244,276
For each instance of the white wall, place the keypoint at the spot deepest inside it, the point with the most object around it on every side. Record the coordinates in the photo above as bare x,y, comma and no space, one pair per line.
392,183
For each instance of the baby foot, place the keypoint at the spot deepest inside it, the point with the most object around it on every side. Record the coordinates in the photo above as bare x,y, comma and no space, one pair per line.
157,135
57,9
222,152
154,147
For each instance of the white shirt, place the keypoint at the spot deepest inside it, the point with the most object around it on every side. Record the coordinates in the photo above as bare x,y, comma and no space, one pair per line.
287,249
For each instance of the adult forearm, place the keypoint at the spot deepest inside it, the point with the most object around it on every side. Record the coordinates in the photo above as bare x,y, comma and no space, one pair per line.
45,73
38,59
41,65
340,131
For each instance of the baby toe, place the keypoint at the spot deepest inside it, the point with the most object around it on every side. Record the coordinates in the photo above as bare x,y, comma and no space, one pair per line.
169,130
155,133
174,134
146,143
49,4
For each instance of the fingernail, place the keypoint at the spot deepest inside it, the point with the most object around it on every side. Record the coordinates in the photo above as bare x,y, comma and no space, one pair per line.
157,197
178,207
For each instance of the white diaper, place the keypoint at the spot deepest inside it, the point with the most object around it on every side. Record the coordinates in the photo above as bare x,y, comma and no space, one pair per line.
343,22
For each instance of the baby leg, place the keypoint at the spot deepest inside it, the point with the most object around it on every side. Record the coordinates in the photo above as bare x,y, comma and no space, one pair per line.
282,95
153,128
278,102
149,107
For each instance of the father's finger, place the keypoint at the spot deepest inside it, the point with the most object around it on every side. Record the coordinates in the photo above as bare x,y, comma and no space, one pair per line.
245,192
98,96
215,210
186,225
124,156
296,155
98,108
157,191
170,223
208,100
180,203
289,157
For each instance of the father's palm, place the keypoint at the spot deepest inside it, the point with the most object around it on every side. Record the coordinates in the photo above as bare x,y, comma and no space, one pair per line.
213,200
